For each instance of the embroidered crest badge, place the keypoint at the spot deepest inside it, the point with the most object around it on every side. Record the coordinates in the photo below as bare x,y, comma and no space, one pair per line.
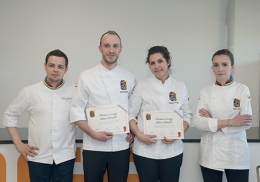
123,85
173,96
236,103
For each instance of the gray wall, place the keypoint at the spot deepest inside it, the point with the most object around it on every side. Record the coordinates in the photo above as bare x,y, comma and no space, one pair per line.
192,31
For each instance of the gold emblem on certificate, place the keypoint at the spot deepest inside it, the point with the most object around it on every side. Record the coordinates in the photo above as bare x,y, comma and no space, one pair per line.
110,119
164,124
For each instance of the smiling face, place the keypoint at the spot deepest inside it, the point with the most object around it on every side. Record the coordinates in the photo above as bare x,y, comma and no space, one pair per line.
159,66
222,68
110,48
55,70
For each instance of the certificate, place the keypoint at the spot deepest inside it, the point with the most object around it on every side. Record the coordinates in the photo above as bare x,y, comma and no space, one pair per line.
164,124
110,119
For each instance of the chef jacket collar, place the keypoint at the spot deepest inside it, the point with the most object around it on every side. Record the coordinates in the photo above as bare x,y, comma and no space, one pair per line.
229,82
47,84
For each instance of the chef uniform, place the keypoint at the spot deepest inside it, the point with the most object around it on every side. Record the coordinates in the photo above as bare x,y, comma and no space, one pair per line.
227,147
49,123
100,87
152,95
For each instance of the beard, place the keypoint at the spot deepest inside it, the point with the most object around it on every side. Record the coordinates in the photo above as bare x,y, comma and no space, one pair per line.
110,62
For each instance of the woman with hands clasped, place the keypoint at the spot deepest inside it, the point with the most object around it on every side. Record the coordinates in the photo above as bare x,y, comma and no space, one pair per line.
158,159
223,114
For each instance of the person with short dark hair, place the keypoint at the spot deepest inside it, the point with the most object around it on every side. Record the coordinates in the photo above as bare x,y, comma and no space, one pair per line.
102,86
51,142
158,159
223,114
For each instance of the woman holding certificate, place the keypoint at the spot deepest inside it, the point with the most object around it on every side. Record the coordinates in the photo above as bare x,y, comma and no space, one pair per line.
223,114
159,114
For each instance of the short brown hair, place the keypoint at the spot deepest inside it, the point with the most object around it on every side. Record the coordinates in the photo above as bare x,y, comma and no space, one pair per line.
57,53
111,32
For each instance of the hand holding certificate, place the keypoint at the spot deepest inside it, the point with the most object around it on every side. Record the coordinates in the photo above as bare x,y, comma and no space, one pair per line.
164,124
110,119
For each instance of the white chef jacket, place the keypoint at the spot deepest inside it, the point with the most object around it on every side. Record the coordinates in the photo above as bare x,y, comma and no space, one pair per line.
100,87
226,148
152,95
49,124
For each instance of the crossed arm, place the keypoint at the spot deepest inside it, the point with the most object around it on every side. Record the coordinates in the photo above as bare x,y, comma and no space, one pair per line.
240,120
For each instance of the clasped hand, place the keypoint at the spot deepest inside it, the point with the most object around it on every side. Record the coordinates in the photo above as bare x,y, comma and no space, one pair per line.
104,136
149,139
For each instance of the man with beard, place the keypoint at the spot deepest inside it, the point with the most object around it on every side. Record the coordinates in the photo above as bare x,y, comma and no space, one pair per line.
97,87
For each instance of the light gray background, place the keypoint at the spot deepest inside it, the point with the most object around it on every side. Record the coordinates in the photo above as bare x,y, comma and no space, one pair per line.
192,31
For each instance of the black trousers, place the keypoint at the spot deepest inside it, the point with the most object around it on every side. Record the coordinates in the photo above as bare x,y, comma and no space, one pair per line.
40,172
153,170
233,175
96,163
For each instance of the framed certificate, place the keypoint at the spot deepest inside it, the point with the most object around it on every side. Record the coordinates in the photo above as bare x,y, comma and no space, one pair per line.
164,124
110,119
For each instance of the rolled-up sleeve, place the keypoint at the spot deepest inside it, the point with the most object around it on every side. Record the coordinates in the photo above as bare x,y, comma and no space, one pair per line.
135,102
16,108
186,108
244,109
203,123
79,101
